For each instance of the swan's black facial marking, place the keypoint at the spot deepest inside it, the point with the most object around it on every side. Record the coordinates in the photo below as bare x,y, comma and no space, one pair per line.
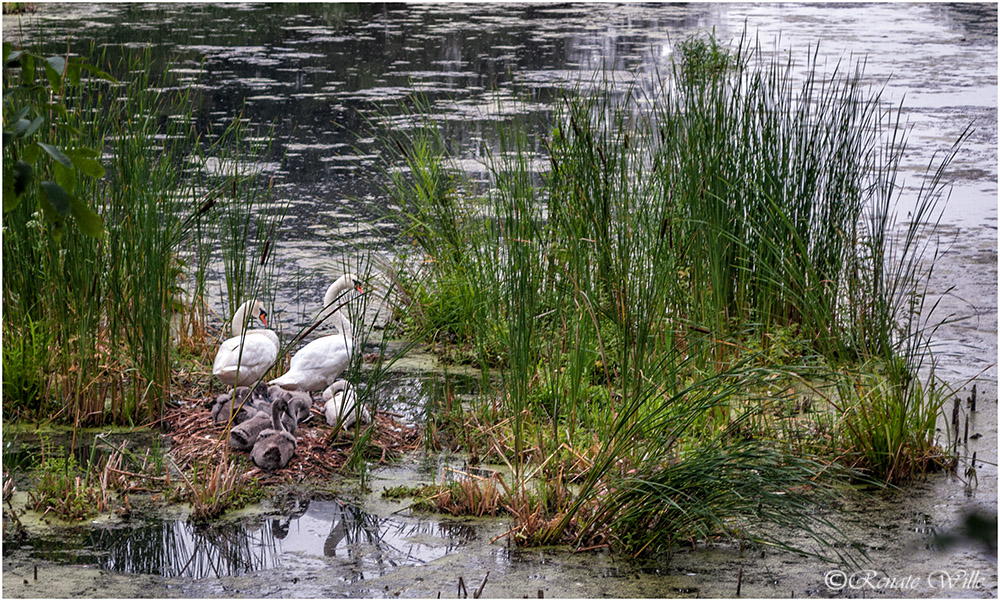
263,316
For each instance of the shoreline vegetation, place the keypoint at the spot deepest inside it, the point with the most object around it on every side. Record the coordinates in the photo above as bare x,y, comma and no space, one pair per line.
699,319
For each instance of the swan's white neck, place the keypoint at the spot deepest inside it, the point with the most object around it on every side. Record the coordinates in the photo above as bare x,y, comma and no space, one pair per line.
240,317
339,385
344,282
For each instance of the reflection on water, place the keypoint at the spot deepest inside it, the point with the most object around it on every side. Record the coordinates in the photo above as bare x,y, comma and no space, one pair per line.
359,545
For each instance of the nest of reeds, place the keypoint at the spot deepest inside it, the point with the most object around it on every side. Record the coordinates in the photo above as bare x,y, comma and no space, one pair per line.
319,453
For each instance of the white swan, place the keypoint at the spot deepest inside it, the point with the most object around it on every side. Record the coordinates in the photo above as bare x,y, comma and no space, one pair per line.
243,359
340,405
319,363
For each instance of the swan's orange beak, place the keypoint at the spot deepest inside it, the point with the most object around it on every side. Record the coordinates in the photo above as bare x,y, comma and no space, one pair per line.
263,317
358,287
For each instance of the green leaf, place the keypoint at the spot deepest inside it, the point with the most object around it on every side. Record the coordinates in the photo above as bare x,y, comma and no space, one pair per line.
89,166
27,69
51,213
85,160
22,175
54,66
57,108
56,154
90,222
31,153
73,72
34,126
98,73
8,52
10,199
57,63
21,114
56,197
65,177
19,128
82,151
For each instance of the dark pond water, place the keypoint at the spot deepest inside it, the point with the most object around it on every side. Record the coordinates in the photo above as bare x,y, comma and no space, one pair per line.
321,72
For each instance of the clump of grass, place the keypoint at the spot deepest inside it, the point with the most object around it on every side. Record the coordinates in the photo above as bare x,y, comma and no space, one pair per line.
65,490
701,57
470,495
465,494
214,489
889,427
25,364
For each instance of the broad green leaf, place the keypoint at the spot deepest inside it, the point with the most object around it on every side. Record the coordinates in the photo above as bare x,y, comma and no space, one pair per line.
89,166
56,197
27,69
98,73
81,151
34,126
56,154
73,73
57,63
31,153
21,176
19,128
51,213
8,52
21,114
54,66
89,221
65,177
57,108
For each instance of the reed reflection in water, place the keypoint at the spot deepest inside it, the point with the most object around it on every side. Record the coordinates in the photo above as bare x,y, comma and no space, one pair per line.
361,544
178,549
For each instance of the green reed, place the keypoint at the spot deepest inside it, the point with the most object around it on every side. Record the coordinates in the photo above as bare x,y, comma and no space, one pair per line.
641,297
105,305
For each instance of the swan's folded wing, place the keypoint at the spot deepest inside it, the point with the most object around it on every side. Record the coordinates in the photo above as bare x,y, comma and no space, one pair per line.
258,351
320,353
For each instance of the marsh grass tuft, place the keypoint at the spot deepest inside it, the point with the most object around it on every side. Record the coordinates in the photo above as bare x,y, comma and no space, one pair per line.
213,489
68,490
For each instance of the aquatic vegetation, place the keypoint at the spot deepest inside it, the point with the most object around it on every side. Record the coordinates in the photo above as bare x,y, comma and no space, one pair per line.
213,489
89,324
35,108
64,489
692,250
888,426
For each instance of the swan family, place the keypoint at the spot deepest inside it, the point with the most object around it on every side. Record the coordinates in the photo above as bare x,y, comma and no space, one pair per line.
264,417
